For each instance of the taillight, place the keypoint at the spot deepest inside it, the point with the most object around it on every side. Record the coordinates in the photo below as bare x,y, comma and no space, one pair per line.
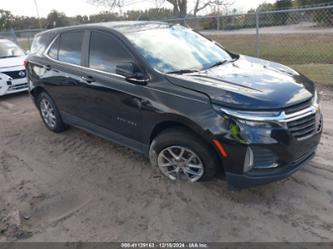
25,64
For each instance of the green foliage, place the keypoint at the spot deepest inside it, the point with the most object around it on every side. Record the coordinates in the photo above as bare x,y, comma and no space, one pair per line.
281,18
301,3
324,18
5,19
56,19
149,14
283,4
104,16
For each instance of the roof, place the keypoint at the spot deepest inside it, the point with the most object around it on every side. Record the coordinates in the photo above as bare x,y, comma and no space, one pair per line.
120,26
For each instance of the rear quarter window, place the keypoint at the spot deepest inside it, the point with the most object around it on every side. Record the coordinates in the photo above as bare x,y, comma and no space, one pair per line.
53,51
40,43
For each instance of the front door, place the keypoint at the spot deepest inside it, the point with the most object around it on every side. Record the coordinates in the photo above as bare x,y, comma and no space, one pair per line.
111,102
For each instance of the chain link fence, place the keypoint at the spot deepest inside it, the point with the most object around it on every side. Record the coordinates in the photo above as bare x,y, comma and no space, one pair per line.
23,38
293,36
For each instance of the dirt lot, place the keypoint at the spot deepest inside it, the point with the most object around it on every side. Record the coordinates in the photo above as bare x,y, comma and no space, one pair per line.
77,187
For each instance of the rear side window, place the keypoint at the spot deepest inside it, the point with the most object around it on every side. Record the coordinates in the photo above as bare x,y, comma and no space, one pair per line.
106,52
70,47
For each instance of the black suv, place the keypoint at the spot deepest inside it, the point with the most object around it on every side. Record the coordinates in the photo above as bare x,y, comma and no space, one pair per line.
183,100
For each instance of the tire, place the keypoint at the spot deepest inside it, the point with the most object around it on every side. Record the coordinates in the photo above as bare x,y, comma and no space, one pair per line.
171,142
50,114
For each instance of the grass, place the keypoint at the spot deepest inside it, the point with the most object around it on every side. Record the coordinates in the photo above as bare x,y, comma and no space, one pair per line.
283,48
310,54
319,73
24,43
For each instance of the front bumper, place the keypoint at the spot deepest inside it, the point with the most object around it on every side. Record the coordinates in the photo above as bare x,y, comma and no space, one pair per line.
13,86
240,181
276,153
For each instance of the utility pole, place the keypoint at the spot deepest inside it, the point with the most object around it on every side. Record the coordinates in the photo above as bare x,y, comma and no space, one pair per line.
38,16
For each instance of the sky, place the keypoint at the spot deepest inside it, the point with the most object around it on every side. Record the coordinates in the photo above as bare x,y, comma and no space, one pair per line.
82,7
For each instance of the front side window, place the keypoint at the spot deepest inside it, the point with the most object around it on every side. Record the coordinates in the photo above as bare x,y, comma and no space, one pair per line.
70,47
176,48
105,52
9,49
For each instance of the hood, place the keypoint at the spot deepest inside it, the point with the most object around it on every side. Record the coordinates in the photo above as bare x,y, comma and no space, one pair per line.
249,83
11,62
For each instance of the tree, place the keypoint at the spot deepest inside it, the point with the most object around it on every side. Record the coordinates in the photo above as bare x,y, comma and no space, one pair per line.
283,4
180,7
203,4
56,19
5,19
266,7
27,22
301,3
149,14
282,18
104,16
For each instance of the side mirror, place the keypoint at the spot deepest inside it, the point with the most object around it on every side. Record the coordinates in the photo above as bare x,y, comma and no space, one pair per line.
131,73
12,52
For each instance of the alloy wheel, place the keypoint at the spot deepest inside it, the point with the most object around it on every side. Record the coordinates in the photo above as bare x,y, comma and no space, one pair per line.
178,162
48,113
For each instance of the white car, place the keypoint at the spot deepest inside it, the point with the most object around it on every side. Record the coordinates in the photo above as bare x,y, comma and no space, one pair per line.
12,71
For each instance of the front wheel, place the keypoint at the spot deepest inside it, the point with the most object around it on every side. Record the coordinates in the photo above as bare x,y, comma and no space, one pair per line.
181,155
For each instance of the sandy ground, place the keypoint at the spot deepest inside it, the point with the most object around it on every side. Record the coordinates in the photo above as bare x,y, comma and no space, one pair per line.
77,187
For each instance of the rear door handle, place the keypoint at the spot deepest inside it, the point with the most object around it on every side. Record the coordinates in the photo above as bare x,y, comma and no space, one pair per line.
87,79
47,67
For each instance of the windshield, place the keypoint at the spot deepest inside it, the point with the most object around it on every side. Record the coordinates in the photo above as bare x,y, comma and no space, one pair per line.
177,48
9,49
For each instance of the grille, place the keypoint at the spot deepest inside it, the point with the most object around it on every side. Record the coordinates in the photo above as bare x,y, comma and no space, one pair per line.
15,74
298,107
18,87
303,127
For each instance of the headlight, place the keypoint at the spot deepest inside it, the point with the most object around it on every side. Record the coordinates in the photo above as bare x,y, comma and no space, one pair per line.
248,116
248,162
315,99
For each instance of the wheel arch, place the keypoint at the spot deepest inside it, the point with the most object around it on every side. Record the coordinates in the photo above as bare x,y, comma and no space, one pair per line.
170,124
206,136
36,91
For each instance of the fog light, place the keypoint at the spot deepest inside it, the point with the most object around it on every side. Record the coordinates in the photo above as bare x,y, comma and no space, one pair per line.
264,158
248,162
319,122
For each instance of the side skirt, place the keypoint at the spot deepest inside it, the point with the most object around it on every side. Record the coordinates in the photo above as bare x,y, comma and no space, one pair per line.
104,133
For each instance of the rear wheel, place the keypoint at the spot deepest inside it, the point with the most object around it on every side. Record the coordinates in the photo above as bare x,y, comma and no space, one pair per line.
49,113
181,155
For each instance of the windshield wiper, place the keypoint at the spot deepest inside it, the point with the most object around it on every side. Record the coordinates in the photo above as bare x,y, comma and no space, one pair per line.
219,63
183,71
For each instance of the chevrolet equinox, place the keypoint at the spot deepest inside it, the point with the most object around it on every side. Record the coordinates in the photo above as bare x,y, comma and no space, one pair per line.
182,99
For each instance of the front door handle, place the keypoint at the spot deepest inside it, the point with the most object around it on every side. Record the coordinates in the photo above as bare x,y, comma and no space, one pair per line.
88,79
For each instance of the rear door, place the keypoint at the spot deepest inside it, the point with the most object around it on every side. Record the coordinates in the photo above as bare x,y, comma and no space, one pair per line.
64,69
